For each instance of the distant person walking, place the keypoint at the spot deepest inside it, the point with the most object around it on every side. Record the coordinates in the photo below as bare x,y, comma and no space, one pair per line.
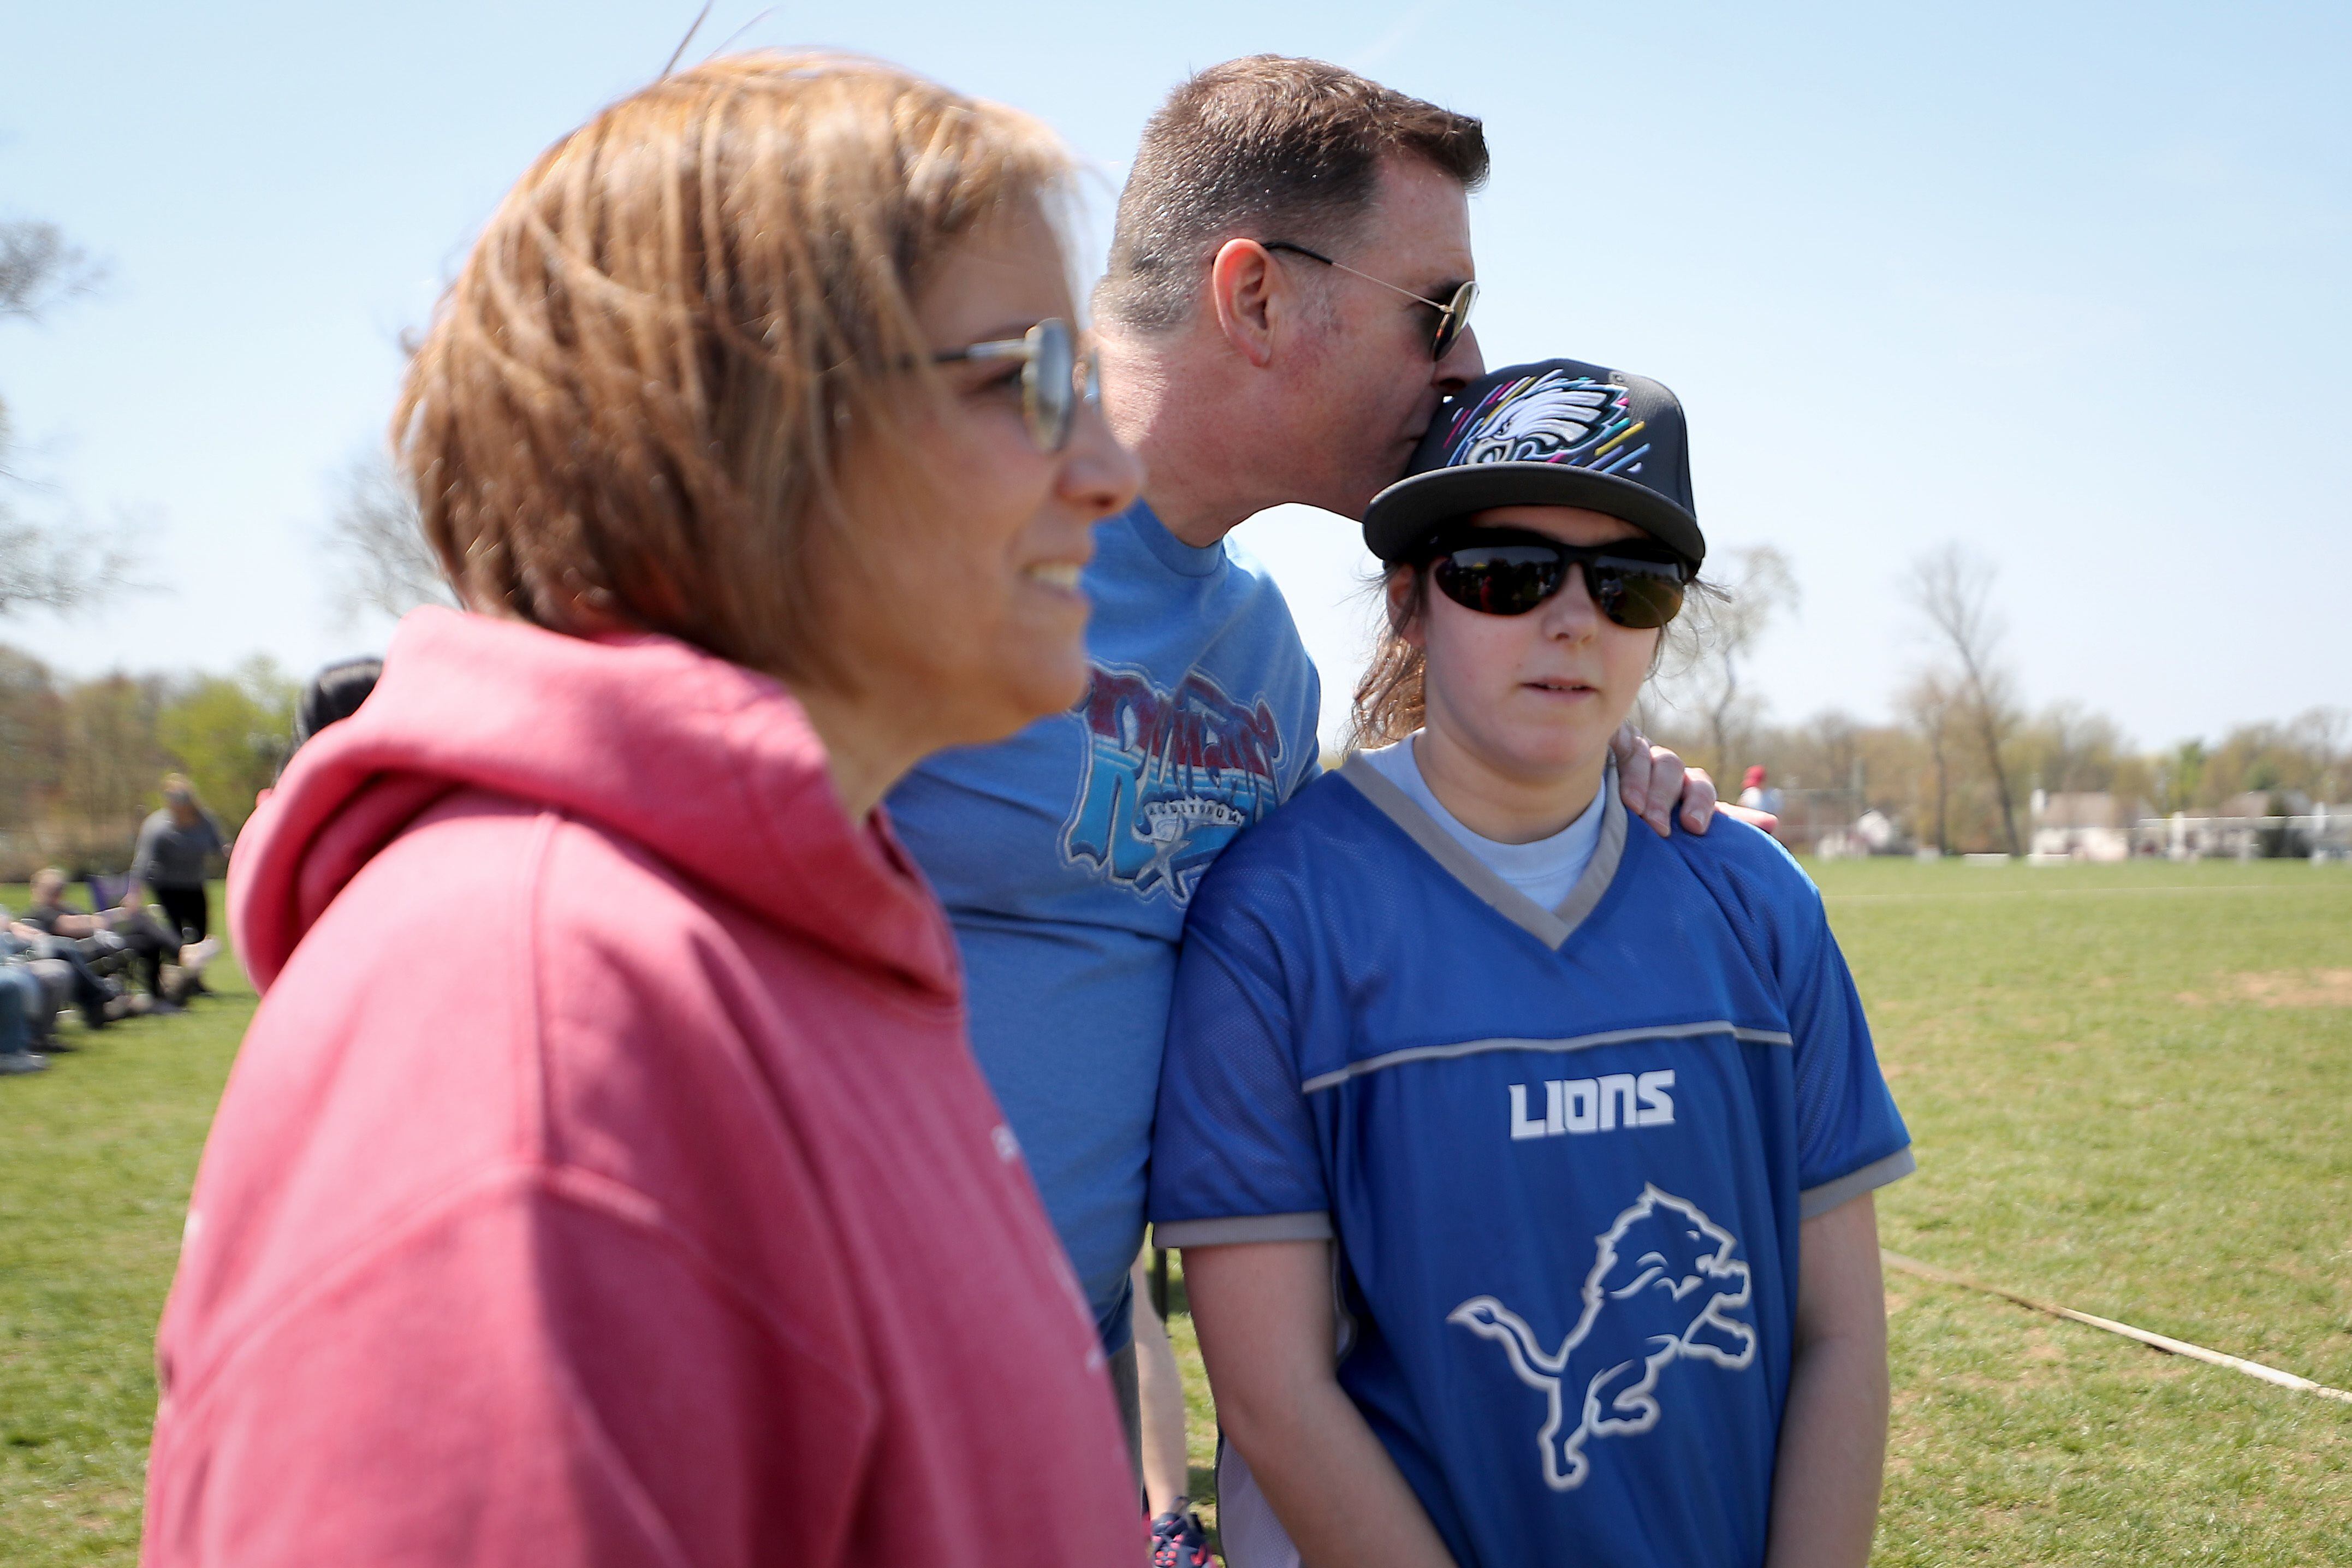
177,844
607,1178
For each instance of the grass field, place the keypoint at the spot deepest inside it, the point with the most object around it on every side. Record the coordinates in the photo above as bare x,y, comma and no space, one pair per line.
2131,1089
96,1158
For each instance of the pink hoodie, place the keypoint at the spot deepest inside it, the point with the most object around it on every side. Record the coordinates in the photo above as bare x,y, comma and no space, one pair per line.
605,1178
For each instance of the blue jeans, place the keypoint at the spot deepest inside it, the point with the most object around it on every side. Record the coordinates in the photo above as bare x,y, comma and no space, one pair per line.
22,1000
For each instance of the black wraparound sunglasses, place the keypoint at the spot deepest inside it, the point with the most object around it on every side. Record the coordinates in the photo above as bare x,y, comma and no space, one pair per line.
1451,316
1507,573
1055,377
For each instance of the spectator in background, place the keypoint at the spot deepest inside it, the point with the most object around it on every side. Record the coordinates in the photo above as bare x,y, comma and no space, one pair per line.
335,693
128,927
25,1008
59,961
176,845
1757,796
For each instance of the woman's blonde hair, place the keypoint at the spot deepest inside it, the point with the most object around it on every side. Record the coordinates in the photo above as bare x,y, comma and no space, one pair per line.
631,408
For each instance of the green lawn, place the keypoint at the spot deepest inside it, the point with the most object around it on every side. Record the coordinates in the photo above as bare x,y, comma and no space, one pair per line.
2132,1093
2131,1089
96,1159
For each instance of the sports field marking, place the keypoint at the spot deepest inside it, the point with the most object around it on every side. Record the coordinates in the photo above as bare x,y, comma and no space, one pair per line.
1901,1263
1941,898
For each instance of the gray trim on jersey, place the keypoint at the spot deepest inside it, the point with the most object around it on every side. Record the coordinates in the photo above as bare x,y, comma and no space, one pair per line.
1309,1226
1550,927
1817,1201
1573,1042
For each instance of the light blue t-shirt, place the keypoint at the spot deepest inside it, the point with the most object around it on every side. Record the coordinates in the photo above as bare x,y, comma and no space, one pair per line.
1066,856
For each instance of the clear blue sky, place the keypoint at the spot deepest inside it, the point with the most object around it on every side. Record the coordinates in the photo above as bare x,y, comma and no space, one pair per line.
2068,283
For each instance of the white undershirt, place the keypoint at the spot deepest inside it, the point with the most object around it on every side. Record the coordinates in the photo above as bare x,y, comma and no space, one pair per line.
1544,870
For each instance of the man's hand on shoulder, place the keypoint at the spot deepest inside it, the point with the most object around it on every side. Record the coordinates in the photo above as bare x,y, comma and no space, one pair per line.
1652,779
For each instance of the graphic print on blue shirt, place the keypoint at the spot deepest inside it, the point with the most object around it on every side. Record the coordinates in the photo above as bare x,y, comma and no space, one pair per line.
1171,778
1066,914
1564,1155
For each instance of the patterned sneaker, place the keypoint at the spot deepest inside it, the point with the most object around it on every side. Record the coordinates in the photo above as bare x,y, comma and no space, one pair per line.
1178,1540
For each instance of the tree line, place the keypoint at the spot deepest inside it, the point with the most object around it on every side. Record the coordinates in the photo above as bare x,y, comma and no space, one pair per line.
1955,766
82,761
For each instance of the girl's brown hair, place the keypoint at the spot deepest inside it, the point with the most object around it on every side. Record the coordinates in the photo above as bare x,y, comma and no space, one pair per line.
1388,698
631,408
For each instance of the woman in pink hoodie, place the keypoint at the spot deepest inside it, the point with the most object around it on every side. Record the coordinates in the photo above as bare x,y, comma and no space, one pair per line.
605,1178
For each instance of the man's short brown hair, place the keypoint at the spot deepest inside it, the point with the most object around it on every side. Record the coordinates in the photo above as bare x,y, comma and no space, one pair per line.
1262,143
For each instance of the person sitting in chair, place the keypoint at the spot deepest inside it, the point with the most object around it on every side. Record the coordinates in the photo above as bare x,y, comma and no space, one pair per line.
125,929
60,964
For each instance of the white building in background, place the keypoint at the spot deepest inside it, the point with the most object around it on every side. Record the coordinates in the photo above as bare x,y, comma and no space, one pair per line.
1873,833
2089,826
2254,826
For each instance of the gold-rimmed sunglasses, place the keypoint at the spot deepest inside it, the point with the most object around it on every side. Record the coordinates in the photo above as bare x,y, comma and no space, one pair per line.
1451,316
1055,377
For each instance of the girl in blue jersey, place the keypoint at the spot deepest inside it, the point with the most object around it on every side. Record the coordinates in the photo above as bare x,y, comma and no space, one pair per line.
1522,1166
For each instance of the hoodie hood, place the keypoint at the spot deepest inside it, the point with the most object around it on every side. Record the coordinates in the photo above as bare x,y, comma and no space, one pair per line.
710,767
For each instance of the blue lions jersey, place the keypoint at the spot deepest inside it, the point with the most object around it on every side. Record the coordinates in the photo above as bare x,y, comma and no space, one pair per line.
1564,1155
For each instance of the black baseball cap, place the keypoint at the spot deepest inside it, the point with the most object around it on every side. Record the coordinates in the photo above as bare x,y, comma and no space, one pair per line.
1556,433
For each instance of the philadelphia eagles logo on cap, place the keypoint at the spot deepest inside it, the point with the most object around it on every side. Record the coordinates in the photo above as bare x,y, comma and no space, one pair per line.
1555,433
1554,417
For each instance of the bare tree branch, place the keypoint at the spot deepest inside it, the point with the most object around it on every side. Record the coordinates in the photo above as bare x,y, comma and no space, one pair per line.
1952,590
58,566
382,560
1927,705
1725,631
38,269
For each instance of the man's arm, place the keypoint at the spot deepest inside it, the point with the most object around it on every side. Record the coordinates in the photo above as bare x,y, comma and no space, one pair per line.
1834,1436
1264,1313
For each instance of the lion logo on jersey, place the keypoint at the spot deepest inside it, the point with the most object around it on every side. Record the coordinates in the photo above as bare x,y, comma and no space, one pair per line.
1664,1287
1547,419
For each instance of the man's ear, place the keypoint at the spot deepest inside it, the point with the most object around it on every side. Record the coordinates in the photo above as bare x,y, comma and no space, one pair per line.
1249,292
